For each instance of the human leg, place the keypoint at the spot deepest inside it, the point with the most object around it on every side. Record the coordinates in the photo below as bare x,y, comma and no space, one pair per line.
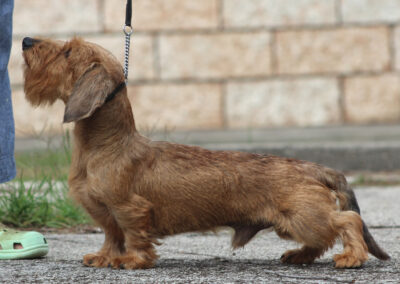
7,132
13,244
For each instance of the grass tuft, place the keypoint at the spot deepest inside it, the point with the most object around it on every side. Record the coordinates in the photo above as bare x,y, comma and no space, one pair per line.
39,196
42,203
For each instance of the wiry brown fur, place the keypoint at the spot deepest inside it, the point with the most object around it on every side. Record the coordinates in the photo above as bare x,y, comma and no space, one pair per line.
139,190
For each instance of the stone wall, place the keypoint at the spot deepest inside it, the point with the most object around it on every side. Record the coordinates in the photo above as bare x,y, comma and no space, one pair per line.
225,64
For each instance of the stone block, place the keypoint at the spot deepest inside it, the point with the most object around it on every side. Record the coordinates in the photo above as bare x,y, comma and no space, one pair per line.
273,13
42,17
214,56
276,103
176,107
163,15
344,50
370,11
141,61
396,42
372,99
16,62
32,122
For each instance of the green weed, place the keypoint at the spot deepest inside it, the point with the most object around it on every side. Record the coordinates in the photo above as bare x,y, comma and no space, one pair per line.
42,203
39,196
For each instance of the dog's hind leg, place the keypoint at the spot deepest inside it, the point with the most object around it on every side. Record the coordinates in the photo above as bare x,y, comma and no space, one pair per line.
346,225
304,255
135,217
317,226
350,229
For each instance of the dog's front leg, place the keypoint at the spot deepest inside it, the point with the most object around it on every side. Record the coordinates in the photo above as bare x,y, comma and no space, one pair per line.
114,237
114,240
135,217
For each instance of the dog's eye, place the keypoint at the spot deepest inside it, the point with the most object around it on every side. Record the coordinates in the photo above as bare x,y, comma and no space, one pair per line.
67,53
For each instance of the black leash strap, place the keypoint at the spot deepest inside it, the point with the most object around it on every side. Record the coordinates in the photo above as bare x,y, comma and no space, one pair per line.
128,15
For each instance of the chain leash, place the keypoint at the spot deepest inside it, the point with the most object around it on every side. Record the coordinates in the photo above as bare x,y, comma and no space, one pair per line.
128,30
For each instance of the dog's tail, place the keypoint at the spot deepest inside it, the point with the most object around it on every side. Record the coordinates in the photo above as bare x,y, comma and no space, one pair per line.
347,199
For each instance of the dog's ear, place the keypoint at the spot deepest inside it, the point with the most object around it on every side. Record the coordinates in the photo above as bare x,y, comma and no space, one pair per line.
88,94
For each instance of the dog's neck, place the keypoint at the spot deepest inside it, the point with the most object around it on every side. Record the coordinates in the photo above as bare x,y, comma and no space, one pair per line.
117,90
112,125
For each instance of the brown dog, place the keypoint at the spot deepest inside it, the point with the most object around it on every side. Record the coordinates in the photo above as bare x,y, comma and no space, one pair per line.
138,190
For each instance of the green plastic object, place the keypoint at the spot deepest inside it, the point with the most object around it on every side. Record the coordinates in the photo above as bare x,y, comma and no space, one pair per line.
33,244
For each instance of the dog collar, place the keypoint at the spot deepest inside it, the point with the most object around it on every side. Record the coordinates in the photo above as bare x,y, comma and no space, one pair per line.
115,91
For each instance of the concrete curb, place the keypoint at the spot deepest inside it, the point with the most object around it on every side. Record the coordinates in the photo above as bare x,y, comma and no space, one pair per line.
341,157
346,148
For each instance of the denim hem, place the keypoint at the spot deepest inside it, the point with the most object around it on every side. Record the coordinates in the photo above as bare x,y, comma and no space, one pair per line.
7,168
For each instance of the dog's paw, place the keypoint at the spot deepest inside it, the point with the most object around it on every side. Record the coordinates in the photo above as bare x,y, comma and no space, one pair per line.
347,260
299,256
131,262
96,260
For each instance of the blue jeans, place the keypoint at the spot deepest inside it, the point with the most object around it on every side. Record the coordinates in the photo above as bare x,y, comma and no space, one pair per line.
7,131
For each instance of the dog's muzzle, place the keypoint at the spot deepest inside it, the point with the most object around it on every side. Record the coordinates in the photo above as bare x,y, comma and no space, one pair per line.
28,42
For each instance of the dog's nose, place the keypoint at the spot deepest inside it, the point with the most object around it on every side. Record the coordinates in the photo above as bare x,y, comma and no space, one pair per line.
28,42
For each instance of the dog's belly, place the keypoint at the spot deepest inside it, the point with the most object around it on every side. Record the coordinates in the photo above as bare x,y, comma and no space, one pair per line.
181,217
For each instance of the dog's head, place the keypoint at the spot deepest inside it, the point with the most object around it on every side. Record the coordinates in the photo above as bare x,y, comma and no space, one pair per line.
80,73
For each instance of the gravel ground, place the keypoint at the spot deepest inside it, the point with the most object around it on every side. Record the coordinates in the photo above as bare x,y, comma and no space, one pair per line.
208,258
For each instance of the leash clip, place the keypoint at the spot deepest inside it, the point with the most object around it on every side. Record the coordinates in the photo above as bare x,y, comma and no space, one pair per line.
128,30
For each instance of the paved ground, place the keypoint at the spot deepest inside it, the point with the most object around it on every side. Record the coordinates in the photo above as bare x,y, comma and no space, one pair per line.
207,258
